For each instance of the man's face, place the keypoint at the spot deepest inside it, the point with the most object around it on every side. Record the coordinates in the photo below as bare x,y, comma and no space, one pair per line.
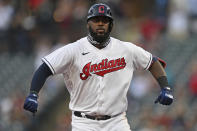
99,25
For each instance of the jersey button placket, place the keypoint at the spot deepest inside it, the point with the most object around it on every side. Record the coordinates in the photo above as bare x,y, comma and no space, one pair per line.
99,104
102,94
99,96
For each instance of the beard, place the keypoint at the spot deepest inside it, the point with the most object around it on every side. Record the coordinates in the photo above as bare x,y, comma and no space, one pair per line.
99,38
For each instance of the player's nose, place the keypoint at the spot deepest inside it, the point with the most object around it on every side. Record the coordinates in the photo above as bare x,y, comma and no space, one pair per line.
100,22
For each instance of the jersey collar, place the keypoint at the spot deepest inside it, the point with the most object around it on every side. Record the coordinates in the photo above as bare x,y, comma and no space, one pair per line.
95,43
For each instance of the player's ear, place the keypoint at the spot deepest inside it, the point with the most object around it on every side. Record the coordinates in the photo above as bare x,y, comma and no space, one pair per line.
111,26
87,25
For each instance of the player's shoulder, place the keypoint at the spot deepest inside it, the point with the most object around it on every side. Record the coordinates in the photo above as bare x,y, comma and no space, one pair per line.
123,43
76,44
79,43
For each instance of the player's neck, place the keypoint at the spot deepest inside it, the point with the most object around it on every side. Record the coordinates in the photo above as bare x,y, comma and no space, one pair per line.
97,44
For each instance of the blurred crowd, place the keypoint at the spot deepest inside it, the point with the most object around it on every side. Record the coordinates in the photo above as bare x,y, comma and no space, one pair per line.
34,28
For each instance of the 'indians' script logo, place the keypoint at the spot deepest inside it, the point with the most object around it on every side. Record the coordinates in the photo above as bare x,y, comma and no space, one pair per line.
102,68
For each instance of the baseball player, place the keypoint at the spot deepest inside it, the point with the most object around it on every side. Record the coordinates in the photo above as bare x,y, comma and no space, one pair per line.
97,71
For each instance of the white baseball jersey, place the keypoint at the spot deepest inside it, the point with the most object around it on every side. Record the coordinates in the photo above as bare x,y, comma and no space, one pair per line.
98,79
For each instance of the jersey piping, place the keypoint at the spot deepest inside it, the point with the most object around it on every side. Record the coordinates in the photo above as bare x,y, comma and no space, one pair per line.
149,63
49,65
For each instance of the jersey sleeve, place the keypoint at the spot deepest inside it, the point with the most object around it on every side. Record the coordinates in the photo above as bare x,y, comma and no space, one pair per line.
141,58
59,60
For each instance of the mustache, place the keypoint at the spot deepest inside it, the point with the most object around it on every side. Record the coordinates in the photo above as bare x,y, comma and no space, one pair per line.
100,28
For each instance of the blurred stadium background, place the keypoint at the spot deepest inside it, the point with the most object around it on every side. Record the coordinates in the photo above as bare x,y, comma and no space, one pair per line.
30,29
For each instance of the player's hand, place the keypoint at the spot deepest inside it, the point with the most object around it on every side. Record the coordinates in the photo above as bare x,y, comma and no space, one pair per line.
165,97
31,103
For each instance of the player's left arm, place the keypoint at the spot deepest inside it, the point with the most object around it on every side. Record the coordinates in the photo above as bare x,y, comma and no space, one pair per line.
158,72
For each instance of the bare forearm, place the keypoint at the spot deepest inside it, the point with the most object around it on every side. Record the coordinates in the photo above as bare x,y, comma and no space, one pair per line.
157,70
159,74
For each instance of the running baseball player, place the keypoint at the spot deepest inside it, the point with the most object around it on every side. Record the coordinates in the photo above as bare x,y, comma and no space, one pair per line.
97,71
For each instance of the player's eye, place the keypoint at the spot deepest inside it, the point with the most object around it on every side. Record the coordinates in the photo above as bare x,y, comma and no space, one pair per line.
105,20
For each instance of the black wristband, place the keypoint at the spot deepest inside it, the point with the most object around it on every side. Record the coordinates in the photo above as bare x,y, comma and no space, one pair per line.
33,92
163,81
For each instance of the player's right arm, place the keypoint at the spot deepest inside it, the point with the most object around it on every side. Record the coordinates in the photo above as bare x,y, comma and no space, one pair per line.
38,80
54,63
